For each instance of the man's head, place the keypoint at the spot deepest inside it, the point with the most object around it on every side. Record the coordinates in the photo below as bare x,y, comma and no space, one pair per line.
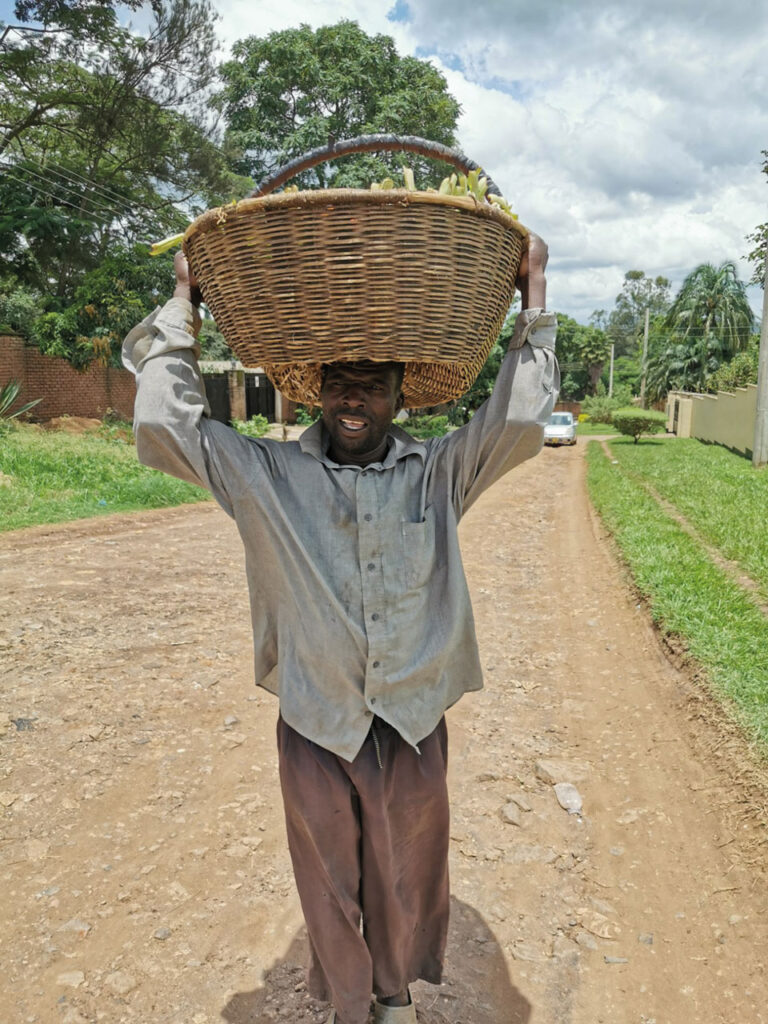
359,401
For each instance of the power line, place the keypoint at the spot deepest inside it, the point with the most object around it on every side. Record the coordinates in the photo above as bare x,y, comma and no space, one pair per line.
58,199
98,206
107,198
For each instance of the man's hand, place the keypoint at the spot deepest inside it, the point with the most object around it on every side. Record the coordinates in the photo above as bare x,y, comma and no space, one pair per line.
186,282
530,277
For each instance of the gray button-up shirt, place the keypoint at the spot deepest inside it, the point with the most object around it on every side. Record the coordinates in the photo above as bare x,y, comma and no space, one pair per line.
358,597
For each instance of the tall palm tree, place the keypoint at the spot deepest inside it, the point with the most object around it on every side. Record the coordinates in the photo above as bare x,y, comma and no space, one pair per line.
709,321
712,302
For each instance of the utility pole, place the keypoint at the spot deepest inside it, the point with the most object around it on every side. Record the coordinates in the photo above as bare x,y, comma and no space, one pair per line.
760,446
610,375
645,357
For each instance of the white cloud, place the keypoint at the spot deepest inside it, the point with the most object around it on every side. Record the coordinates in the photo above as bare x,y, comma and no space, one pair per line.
629,135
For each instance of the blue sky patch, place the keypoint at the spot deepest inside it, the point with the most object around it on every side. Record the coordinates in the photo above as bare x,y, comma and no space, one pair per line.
400,12
451,60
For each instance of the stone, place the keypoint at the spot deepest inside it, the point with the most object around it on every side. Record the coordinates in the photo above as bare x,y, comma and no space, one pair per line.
36,849
552,771
522,801
568,797
511,814
81,928
162,934
72,979
616,959
120,982
646,938
585,939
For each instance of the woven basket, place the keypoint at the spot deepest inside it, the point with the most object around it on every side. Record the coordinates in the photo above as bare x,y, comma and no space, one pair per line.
296,280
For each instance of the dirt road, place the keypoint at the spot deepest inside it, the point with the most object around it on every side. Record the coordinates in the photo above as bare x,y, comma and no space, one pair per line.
143,863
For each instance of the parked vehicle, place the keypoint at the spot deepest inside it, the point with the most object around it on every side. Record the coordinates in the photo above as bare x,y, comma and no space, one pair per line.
560,429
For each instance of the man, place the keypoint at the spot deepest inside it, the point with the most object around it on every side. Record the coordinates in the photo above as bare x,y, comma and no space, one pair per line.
362,623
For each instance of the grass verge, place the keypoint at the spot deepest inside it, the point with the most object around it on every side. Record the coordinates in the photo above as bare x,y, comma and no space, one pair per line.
688,595
588,427
718,492
56,477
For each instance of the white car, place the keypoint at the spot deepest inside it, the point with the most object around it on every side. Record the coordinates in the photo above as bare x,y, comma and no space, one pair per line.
560,429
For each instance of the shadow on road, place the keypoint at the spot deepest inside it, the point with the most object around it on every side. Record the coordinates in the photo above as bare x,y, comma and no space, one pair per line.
477,987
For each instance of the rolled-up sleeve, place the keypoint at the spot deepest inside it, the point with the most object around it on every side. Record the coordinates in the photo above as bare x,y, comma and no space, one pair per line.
173,433
509,427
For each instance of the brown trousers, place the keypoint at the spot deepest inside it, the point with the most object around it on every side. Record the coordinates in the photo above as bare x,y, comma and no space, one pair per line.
369,843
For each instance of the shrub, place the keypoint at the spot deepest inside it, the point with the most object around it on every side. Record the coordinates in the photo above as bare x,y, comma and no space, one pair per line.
739,372
426,426
600,408
256,426
634,422
305,417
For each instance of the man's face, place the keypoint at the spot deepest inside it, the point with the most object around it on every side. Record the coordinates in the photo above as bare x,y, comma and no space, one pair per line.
359,401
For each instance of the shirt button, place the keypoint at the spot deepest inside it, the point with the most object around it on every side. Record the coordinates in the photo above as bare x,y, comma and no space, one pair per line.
371,566
375,616
367,517
375,665
373,699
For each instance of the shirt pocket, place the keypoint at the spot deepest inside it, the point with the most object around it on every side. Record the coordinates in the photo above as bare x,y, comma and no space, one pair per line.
419,553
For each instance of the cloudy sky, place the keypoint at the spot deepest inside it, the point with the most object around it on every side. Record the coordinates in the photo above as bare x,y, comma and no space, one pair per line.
628,135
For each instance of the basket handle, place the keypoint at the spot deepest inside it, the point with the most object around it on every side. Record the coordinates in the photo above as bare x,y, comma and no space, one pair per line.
369,144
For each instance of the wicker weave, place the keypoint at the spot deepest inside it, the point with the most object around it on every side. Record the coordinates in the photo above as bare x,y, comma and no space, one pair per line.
300,279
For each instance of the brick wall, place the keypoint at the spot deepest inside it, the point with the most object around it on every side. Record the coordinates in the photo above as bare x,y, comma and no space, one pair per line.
64,391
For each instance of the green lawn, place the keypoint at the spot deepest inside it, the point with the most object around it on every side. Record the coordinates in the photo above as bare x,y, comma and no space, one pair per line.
588,427
718,492
52,477
688,594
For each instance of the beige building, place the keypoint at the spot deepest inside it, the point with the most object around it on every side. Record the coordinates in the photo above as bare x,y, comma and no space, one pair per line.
726,418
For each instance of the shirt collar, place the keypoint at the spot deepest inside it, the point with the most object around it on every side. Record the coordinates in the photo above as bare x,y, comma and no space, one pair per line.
314,441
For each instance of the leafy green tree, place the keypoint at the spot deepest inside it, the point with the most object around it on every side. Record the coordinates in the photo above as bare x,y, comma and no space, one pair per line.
110,300
582,352
759,238
625,324
103,137
740,371
297,89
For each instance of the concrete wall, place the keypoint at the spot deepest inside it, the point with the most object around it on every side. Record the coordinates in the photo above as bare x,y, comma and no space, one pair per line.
727,418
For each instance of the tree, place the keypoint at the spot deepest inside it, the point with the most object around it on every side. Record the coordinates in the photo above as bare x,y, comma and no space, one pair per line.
298,89
626,321
709,321
126,286
759,238
98,142
712,303
582,352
